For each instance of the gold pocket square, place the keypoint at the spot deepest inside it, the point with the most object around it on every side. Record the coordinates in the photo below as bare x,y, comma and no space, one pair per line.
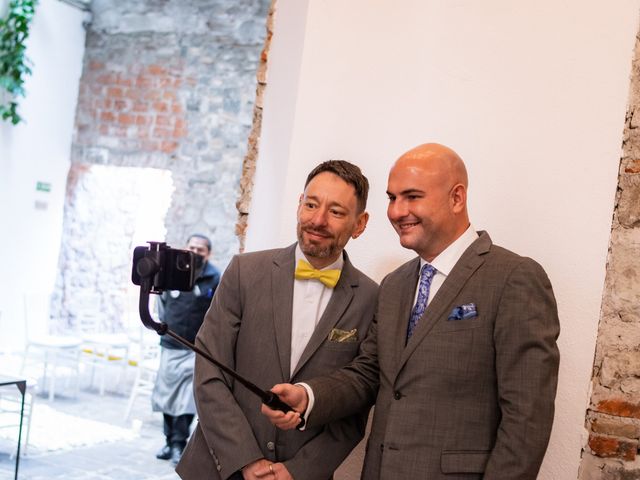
340,336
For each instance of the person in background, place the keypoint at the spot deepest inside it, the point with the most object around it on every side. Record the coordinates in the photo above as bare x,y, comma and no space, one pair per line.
461,360
286,314
184,313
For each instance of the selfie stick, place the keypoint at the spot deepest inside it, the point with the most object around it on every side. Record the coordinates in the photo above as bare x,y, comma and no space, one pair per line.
147,268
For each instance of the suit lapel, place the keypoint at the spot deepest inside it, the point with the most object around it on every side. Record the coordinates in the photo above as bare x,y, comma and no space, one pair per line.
282,304
465,267
402,310
340,300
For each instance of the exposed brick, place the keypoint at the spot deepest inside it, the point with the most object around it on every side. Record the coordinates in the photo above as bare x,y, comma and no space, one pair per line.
156,70
123,81
115,92
95,65
126,119
162,133
140,107
612,447
160,106
119,105
134,94
165,81
180,129
143,81
615,426
201,63
107,117
633,167
103,103
619,407
169,147
152,94
106,79
163,120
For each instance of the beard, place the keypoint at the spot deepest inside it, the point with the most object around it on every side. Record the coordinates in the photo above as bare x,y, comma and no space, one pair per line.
314,250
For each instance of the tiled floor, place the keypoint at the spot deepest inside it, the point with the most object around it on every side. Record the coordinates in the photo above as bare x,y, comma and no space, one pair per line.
128,460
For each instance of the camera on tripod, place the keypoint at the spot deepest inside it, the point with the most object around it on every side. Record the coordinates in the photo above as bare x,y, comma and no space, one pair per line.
167,268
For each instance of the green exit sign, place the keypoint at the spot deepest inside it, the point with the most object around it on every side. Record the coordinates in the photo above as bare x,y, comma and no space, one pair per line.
43,187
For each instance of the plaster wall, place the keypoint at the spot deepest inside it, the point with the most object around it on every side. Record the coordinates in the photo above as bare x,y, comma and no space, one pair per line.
38,150
531,94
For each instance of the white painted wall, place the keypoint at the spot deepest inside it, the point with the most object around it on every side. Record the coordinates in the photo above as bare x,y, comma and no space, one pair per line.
33,151
532,94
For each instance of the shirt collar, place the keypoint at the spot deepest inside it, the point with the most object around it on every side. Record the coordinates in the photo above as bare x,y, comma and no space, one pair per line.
447,259
337,265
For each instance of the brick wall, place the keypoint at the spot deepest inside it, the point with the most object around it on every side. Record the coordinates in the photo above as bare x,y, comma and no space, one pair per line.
613,416
168,85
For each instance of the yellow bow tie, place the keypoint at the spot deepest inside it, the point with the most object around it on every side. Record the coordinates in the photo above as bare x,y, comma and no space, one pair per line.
305,271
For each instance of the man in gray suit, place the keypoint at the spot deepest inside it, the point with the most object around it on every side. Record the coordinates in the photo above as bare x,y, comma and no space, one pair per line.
271,327
462,359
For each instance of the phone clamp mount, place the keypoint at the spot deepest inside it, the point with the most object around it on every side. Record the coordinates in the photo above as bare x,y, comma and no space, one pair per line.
159,267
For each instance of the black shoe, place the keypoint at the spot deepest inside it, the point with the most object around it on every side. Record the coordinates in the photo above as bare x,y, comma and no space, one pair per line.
164,453
176,454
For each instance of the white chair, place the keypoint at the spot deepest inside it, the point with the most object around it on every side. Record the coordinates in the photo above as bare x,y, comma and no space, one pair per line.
102,350
146,361
53,355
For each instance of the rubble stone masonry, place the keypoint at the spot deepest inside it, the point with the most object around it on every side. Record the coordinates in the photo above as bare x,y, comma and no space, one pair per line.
167,85
613,416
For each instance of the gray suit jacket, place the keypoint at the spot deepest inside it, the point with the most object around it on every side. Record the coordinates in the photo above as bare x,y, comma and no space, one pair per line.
248,328
466,398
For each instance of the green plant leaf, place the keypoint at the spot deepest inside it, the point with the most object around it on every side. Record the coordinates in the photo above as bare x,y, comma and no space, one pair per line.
14,64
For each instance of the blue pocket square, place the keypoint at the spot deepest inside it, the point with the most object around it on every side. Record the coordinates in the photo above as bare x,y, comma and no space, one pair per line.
463,312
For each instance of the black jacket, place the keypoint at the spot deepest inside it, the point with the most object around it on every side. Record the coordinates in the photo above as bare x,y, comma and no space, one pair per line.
184,312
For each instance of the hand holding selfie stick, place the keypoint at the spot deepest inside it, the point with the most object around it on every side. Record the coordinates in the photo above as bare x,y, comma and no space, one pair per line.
147,268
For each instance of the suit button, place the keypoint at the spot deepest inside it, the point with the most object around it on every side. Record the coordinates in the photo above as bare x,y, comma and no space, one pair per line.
271,446
397,395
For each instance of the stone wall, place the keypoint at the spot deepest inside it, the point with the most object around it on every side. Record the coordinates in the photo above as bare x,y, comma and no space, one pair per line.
613,416
168,85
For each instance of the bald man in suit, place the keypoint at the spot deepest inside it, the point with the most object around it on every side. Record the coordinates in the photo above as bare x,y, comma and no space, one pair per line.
273,321
462,359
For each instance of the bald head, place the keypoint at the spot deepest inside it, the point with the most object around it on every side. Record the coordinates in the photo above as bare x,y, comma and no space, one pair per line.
428,199
437,159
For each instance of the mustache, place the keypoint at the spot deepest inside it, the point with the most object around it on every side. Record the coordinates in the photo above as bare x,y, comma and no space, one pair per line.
317,231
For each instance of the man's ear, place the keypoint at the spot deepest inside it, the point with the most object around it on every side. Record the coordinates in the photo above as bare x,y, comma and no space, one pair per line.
458,198
361,224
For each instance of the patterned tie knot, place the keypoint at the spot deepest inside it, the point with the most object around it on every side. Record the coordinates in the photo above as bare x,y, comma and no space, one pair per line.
426,276
305,271
427,272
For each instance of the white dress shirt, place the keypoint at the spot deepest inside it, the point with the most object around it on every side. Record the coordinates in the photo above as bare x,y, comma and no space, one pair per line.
310,299
445,262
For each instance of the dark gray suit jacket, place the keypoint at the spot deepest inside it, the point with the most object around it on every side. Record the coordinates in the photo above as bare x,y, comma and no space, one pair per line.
248,328
466,398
